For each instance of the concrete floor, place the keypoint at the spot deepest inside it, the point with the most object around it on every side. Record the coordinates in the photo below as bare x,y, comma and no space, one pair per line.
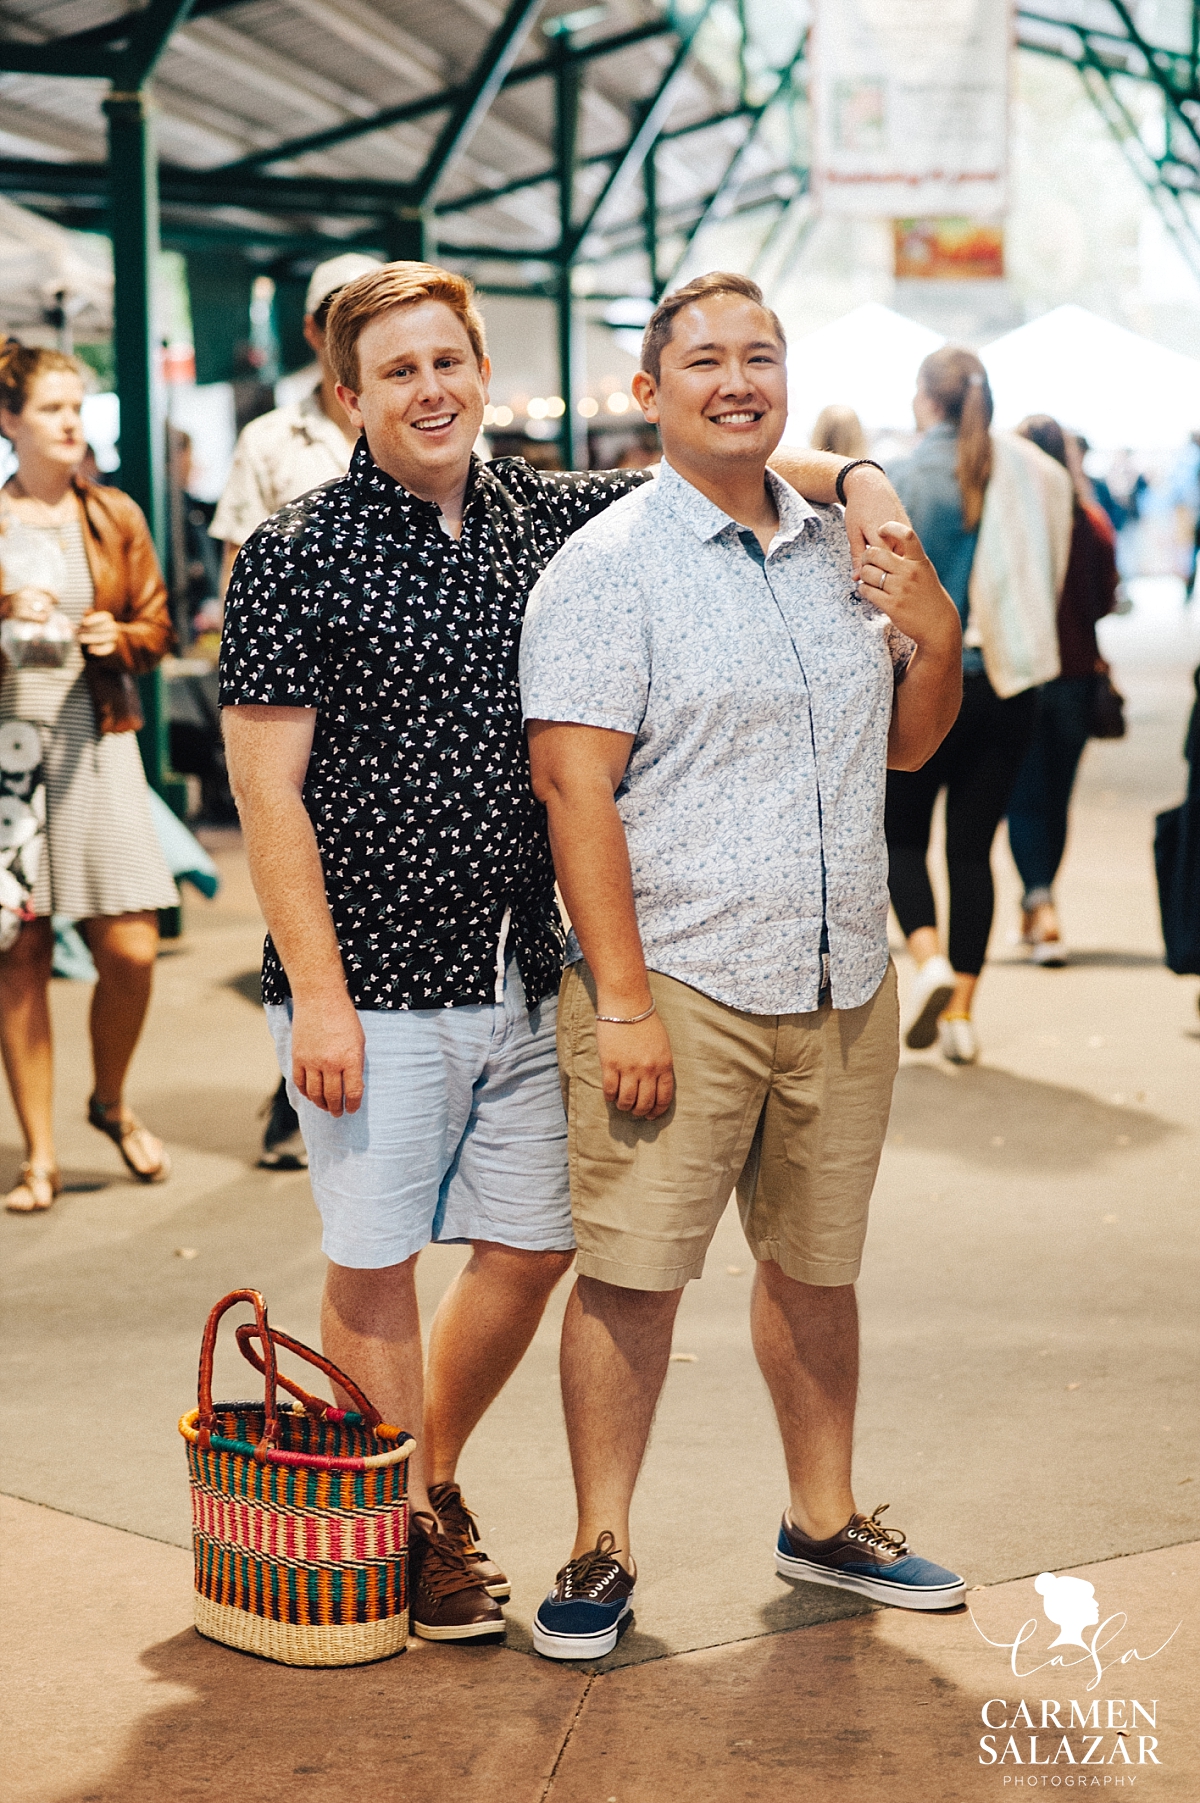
1028,1309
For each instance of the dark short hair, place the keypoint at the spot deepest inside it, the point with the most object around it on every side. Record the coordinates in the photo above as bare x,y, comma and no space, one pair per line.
1046,434
718,281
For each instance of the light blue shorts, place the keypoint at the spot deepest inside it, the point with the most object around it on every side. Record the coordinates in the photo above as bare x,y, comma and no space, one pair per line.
461,1133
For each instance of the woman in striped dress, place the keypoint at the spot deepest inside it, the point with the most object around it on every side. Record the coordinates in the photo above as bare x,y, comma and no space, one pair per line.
76,833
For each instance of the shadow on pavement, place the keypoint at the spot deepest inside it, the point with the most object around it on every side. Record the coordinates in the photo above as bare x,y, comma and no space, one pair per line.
77,1180
1099,958
1006,1122
834,1712
432,1723
248,985
226,1121
632,1648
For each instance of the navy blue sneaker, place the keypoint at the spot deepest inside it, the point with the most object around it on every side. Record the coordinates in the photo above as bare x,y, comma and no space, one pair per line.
581,1618
874,1560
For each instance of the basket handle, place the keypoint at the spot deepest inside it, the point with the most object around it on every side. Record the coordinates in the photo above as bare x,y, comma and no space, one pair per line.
206,1420
316,1405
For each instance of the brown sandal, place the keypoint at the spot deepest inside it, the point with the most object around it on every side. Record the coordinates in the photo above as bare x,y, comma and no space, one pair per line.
40,1183
130,1138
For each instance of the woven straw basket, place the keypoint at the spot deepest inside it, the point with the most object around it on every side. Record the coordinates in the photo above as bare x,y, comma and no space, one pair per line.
299,1513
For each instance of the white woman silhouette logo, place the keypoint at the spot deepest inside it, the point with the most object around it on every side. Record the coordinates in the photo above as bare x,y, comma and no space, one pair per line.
1070,1603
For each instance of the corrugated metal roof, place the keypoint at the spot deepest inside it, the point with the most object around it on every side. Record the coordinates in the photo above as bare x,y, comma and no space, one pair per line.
249,76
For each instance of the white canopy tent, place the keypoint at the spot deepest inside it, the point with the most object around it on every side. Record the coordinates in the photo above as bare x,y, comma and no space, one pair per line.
44,267
1119,389
867,360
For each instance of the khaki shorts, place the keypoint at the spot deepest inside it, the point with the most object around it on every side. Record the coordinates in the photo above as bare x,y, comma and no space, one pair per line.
789,1108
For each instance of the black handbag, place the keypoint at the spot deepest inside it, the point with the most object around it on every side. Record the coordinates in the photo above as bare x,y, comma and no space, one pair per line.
1177,863
1106,713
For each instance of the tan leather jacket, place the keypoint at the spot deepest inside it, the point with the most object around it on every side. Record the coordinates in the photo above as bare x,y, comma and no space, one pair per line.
129,585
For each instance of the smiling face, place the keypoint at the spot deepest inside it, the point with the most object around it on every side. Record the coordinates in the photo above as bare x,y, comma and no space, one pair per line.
420,397
721,397
49,428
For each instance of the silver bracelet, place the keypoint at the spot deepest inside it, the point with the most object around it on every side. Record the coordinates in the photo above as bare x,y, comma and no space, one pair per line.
626,1020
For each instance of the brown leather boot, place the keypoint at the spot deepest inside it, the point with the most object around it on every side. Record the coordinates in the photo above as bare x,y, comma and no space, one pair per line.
458,1521
447,1600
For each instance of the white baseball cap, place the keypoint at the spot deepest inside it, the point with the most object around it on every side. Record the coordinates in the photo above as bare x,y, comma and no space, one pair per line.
335,273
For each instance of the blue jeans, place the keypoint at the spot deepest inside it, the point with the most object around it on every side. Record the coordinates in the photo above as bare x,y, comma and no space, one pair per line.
1037,809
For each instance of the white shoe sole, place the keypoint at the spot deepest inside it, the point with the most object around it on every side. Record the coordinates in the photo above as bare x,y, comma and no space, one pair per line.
1051,954
900,1596
475,1631
921,1032
579,1646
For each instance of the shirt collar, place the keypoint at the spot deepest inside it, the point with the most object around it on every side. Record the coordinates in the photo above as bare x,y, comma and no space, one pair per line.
375,485
708,521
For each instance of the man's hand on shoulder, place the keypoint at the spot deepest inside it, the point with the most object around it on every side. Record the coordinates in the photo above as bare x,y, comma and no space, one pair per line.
871,501
872,507
898,577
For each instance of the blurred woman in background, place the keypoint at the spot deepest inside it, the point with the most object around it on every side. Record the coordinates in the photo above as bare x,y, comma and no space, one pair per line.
839,429
83,610
972,498
1041,799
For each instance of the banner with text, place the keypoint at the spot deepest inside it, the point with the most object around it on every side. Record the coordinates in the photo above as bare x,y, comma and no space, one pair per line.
910,103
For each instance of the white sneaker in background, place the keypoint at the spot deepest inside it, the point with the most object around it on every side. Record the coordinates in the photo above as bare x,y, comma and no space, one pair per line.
957,1041
1051,954
932,988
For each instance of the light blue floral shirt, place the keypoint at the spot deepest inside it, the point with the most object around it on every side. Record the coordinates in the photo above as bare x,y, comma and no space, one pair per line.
759,693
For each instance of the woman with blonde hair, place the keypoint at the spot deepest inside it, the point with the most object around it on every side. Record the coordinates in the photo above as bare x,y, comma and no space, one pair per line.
994,515
839,429
83,611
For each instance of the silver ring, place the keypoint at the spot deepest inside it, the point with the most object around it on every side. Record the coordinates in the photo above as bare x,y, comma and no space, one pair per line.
883,576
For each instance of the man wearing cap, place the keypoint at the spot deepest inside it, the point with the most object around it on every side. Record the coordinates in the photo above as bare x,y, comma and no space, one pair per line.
279,457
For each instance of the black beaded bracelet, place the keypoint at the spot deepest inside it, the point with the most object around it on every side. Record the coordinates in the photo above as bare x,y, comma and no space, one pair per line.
840,484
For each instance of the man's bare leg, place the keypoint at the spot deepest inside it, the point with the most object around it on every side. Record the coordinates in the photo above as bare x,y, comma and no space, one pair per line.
479,1335
806,1342
615,1348
371,1327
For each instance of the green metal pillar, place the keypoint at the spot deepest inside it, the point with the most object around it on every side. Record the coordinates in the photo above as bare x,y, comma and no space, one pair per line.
650,220
573,439
133,226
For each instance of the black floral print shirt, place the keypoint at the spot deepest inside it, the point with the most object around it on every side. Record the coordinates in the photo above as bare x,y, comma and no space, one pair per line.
354,601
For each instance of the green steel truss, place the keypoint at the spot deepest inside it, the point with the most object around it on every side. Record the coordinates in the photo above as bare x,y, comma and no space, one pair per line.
208,207
1111,57
400,219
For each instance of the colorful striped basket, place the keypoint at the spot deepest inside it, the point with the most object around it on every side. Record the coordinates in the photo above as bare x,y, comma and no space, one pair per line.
299,1513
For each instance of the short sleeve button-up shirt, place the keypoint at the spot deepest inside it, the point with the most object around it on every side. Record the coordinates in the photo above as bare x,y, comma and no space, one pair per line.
279,457
759,694
355,602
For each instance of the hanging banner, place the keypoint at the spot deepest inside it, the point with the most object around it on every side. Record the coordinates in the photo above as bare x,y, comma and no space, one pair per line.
940,250
910,104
